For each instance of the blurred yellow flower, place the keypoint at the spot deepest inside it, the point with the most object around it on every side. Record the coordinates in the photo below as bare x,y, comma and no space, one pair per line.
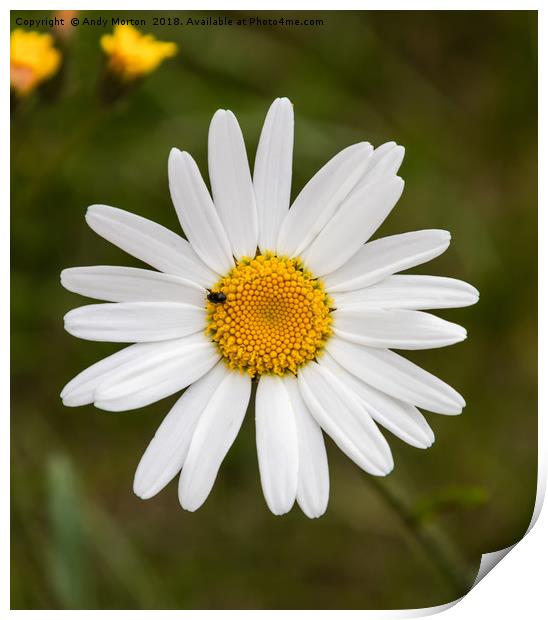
63,27
33,59
133,54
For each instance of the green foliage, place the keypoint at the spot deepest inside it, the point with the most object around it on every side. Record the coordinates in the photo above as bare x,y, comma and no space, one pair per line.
449,499
67,566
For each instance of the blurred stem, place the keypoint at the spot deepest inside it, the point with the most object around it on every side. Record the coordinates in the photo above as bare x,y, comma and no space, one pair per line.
68,557
437,547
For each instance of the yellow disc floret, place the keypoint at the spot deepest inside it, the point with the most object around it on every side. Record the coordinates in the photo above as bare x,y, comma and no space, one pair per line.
275,316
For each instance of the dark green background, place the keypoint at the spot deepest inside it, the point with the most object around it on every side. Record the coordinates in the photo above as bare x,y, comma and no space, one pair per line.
459,91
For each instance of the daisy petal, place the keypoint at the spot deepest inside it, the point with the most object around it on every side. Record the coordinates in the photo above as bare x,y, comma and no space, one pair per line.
171,366
409,293
131,284
342,416
320,198
166,453
214,434
401,419
352,225
396,376
80,390
381,258
396,329
385,161
378,153
144,321
231,183
153,244
313,484
197,213
277,445
272,171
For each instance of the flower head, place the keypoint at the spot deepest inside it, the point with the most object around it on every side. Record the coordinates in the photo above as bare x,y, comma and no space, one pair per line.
297,299
132,54
63,27
33,59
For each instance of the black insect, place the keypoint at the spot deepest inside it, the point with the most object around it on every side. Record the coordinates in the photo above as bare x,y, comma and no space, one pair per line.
217,298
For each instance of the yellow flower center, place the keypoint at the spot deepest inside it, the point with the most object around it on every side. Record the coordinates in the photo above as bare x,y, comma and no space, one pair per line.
273,318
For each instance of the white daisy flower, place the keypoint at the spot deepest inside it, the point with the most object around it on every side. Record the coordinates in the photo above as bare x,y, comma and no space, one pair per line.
297,299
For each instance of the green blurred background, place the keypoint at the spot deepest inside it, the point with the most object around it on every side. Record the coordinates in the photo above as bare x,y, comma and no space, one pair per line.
459,91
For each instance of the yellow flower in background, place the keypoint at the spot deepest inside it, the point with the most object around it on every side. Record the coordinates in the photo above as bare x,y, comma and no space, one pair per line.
133,54
63,27
33,59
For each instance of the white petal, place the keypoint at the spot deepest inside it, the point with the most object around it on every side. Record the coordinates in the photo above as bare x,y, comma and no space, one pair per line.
352,225
231,183
171,366
381,258
277,447
153,244
342,415
131,284
385,161
389,372
214,434
272,171
402,419
166,453
80,390
321,197
396,329
313,484
143,321
409,293
196,212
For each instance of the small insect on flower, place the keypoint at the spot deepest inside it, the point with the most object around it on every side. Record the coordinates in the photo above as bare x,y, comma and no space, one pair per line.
216,298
